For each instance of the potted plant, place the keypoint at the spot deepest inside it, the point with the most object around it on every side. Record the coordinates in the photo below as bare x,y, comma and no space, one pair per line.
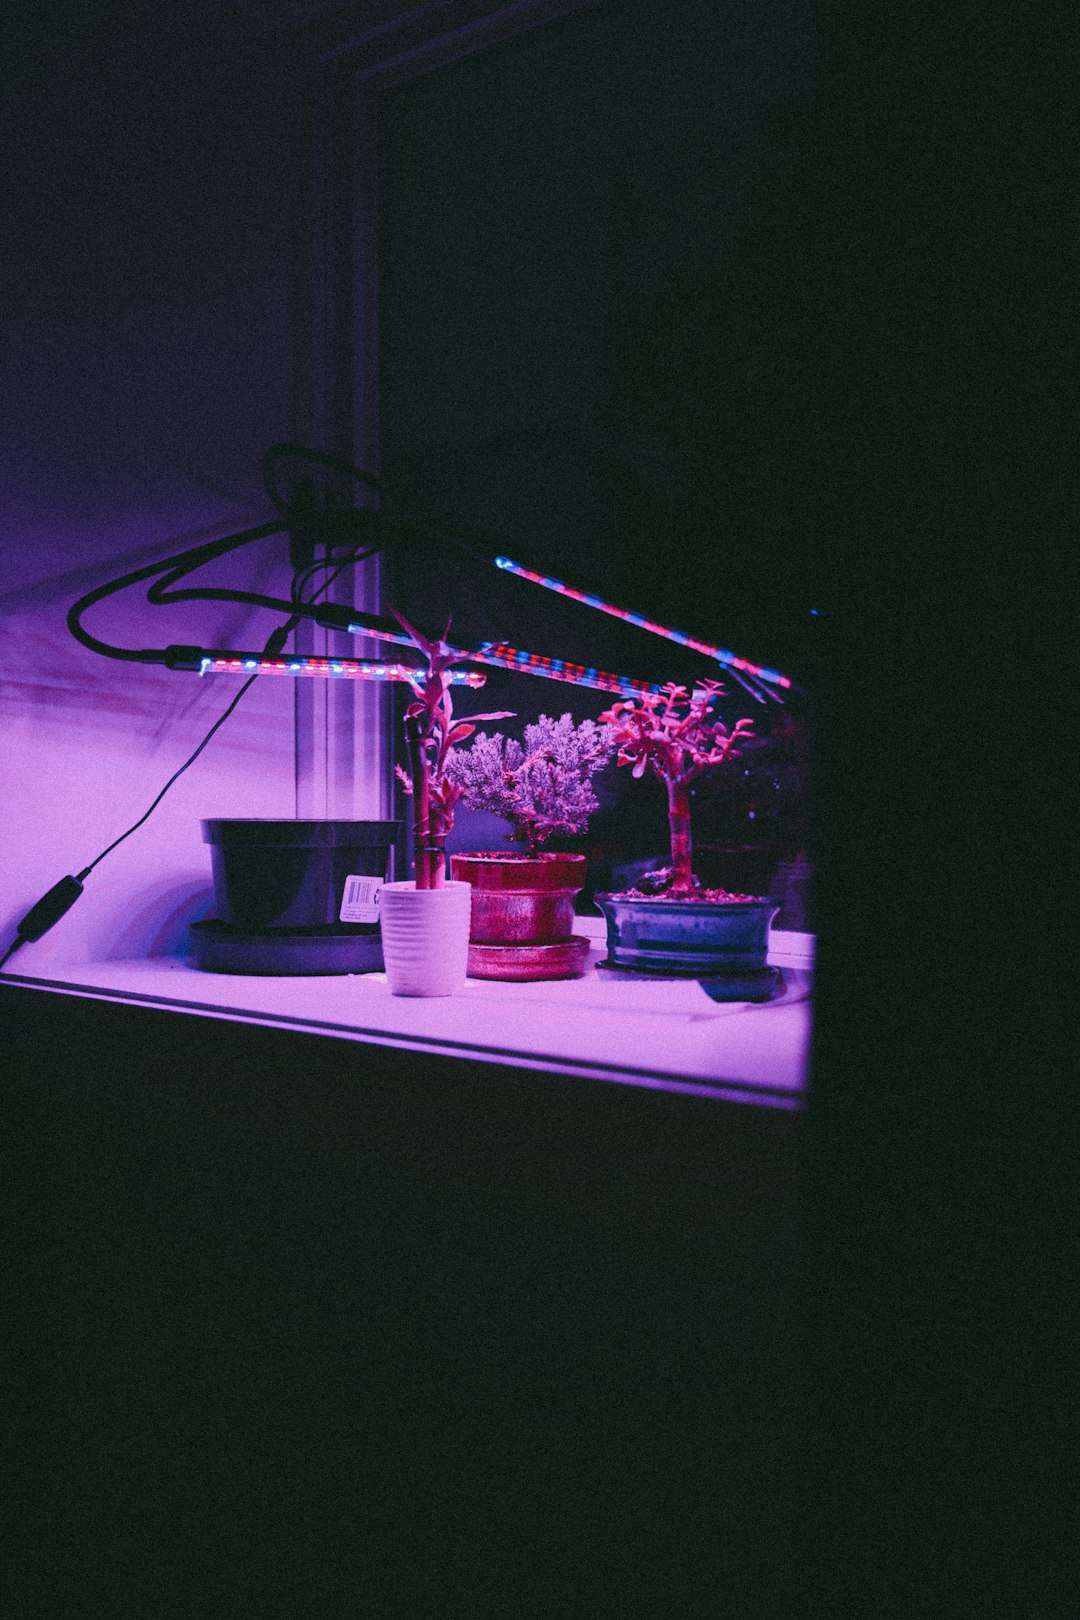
669,924
425,919
523,903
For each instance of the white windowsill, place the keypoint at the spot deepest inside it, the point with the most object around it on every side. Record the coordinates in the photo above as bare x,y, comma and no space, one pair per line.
658,1033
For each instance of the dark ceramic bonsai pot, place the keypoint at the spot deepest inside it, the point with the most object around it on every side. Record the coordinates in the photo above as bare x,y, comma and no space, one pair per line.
687,938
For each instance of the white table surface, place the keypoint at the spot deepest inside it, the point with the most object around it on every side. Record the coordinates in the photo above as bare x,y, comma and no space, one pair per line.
659,1033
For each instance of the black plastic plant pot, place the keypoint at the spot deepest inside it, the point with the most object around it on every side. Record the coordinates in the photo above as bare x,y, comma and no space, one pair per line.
300,874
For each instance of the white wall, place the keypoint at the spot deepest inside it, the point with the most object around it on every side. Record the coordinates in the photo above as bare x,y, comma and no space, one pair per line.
145,363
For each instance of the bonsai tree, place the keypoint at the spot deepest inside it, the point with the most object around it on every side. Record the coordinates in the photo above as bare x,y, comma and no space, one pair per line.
541,788
671,734
430,736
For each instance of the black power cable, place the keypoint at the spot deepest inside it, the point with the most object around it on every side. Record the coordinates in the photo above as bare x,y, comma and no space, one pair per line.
321,458
338,525
58,900
309,521
218,723
274,645
360,475
186,562
194,555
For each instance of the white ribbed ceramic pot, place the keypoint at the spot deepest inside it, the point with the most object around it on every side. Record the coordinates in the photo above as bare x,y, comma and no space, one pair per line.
425,937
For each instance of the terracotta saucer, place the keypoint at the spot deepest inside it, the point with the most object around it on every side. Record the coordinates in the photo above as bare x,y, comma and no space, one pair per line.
565,960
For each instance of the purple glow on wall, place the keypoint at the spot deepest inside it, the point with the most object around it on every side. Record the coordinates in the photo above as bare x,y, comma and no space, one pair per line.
90,742
146,300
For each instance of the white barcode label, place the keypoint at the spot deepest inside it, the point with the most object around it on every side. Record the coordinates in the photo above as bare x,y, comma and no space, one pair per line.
360,901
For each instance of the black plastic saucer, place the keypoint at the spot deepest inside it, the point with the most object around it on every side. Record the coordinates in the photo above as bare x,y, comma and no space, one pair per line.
220,947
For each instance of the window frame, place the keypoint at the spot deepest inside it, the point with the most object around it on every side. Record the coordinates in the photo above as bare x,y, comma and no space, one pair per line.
339,72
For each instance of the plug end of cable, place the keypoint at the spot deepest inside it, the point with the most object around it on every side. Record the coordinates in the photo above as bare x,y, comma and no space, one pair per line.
49,909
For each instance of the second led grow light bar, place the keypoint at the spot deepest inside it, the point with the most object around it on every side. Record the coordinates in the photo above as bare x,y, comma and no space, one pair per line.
722,656
504,656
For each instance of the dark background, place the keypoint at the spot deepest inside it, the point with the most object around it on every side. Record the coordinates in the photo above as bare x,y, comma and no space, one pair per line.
589,326
593,357
931,457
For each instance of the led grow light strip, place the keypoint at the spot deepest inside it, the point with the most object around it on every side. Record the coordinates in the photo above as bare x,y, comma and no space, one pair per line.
722,656
504,656
349,669
557,669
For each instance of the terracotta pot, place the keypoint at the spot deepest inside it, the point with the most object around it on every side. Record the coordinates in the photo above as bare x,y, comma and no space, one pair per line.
521,899
523,915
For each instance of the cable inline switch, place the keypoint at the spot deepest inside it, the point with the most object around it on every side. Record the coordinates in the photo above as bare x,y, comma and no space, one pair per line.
49,909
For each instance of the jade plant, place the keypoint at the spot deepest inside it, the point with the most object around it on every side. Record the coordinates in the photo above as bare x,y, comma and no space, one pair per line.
542,787
430,736
672,735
